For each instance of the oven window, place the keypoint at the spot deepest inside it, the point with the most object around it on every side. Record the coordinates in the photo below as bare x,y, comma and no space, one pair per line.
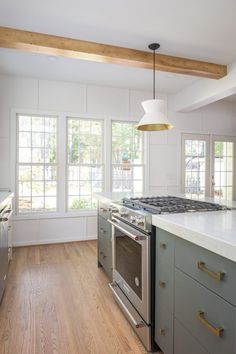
129,261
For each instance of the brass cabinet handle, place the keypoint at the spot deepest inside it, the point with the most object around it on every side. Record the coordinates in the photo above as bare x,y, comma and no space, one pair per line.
162,332
162,284
217,331
162,245
216,275
102,230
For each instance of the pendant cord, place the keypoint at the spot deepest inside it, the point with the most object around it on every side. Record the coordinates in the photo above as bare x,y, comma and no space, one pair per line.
154,76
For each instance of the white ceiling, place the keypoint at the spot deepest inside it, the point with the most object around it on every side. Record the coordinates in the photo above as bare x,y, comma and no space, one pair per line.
203,29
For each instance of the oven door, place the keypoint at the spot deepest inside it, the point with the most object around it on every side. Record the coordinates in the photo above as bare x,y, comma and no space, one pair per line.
131,265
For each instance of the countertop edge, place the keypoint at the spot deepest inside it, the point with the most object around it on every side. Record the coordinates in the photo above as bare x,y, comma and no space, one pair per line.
220,247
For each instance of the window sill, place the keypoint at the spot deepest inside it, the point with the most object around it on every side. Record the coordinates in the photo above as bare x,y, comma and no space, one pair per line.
71,214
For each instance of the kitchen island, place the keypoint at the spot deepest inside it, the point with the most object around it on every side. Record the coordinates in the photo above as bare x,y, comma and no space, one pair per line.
5,236
195,281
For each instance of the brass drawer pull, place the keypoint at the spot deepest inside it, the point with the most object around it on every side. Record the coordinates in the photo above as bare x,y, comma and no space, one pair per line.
104,210
162,332
162,245
216,275
217,331
162,284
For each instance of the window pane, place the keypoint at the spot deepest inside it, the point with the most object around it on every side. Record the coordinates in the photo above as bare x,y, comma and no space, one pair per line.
37,155
24,173
24,155
24,123
74,173
37,188
37,124
24,204
24,139
37,139
37,203
195,167
50,203
223,170
25,189
85,162
37,173
50,188
37,177
127,151
50,125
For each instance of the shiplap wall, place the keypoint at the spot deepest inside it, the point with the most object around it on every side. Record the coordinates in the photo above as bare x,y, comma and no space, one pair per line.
164,147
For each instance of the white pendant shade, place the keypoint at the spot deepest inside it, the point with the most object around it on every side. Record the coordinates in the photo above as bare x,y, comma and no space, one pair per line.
154,117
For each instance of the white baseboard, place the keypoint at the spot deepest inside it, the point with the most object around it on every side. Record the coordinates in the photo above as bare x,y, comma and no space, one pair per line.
51,241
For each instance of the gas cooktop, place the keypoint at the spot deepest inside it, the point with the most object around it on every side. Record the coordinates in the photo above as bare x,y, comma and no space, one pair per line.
170,204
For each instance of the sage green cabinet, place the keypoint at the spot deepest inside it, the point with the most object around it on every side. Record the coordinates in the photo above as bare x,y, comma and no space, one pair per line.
104,241
164,306
195,300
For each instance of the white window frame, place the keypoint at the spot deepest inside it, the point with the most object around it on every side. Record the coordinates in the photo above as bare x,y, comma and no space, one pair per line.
229,139
209,177
17,164
69,164
62,156
143,164
202,137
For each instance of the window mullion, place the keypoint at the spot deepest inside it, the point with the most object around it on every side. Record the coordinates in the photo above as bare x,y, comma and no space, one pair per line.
61,161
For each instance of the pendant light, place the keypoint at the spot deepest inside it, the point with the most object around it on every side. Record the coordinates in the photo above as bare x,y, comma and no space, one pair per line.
154,118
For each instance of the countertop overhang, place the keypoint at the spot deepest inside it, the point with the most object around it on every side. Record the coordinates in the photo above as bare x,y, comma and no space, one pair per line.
212,230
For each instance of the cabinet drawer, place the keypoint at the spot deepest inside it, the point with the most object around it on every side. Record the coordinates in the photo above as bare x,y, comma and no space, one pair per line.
105,245
164,290
104,210
204,314
104,228
206,267
186,344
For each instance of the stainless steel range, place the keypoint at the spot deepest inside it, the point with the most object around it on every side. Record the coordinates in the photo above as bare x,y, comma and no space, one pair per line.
133,253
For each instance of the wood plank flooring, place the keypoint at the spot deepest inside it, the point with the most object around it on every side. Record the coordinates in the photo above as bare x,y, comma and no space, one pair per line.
57,302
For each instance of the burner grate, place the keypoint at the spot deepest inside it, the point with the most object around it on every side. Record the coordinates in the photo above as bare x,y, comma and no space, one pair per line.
170,204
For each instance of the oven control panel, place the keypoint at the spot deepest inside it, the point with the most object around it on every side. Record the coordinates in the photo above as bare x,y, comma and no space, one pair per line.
141,220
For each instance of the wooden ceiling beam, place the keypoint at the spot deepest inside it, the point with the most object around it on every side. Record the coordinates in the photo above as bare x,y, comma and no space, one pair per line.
75,48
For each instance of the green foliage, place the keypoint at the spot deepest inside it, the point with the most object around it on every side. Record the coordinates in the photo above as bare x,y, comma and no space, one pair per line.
219,148
80,204
126,142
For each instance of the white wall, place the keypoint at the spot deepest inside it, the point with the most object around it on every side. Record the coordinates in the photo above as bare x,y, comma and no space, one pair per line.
164,147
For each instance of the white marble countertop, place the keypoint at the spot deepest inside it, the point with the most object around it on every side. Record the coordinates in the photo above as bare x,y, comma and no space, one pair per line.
4,195
117,196
213,230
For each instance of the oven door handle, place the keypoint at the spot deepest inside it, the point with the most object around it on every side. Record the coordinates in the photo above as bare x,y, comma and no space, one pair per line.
135,323
134,237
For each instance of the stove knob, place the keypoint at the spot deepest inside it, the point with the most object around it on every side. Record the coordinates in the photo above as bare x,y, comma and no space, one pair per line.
133,219
124,214
140,223
114,210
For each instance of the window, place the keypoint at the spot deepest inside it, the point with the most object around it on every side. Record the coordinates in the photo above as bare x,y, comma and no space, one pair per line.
36,164
206,174
223,169
127,158
85,162
60,161
196,153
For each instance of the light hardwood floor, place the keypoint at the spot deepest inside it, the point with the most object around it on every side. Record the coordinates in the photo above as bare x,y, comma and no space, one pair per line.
57,302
